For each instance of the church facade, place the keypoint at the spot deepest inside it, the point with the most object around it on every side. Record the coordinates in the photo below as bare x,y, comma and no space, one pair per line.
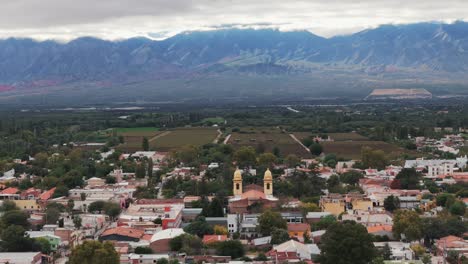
252,195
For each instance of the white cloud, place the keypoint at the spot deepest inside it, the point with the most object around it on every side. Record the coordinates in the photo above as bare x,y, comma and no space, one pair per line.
117,19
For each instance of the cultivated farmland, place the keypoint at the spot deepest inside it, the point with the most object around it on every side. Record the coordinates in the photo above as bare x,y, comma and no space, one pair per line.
351,136
133,137
179,137
267,138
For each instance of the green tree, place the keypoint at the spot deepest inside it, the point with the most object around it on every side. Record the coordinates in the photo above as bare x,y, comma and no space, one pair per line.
150,168
409,178
96,206
279,236
77,221
292,160
269,221
426,259
351,177
347,242
187,154
267,160
233,248
316,149
245,156
112,209
61,191
186,243
140,171
70,205
373,158
214,209
14,239
8,205
143,250
386,252
162,261
14,217
391,203
52,215
458,208
91,252
199,227
324,222
145,144
43,244
408,224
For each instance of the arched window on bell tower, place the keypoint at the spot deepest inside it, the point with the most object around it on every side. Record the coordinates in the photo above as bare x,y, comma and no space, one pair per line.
268,186
237,186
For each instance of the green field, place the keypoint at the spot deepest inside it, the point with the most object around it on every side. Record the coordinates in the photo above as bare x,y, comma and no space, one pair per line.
133,137
267,138
213,120
351,136
125,130
352,149
179,137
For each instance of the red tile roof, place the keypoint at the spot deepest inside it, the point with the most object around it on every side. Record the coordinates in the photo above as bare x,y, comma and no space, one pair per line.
298,227
374,229
123,231
9,190
207,239
47,195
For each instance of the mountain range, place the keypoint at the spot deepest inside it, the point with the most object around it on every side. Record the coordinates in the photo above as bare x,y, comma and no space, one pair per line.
423,54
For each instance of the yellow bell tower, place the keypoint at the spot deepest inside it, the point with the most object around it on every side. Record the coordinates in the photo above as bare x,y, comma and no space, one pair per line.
237,186
268,183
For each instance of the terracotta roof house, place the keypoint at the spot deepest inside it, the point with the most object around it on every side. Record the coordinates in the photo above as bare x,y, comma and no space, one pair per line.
9,193
382,230
47,195
452,243
209,239
298,230
122,234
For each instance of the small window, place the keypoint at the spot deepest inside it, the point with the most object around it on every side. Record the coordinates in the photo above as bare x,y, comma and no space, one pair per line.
237,186
268,186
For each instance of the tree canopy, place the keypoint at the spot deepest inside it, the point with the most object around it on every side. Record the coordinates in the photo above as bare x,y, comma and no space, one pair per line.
91,252
347,242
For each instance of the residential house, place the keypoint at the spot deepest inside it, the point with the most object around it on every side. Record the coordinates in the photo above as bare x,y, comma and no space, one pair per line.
21,257
298,230
400,250
54,240
452,243
122,234
160,241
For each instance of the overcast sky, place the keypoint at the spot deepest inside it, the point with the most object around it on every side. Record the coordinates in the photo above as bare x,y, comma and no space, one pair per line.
118,19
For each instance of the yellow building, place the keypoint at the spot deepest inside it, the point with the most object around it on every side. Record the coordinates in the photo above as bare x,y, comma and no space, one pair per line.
27,205
335,208
268,183
364,204
237,183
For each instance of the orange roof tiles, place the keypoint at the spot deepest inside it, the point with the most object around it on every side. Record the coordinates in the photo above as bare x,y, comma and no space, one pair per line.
9,190
207,239
381,228
47,195
122,231
253,194
298,227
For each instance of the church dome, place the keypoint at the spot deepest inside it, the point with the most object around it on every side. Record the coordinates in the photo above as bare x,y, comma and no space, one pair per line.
237,175
268,175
